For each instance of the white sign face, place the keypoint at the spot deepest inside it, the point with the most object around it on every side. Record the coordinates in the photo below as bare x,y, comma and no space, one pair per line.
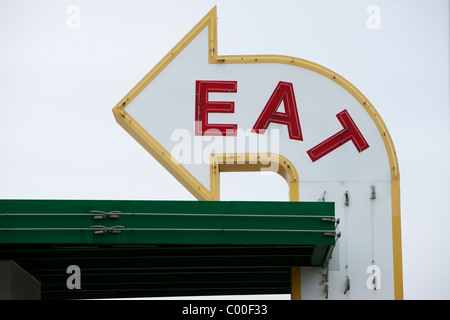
199,114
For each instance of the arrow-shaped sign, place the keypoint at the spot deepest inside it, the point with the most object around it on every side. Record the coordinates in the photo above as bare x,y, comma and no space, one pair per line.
171,113
199,114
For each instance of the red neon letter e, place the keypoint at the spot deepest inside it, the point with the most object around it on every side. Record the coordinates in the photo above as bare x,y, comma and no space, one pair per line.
349,133
203,106
283,92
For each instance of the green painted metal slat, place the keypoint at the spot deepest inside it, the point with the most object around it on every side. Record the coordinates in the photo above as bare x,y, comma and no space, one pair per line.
165,222
242,247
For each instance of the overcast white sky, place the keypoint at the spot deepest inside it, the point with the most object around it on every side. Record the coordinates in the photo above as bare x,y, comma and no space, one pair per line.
60,78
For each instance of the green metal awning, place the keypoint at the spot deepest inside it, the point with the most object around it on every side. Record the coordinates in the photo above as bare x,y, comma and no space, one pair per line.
165,248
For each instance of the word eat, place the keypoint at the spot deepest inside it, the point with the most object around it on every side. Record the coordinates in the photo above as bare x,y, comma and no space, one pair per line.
284,92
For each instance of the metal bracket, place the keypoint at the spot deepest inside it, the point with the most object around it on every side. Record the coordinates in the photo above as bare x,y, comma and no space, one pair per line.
324,277
325,282
374,194
100,215
332,234
102,229
337,221
323,197
347,285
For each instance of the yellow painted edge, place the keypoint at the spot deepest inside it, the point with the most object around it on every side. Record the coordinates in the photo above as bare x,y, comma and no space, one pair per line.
250,162
214,176
296,292
177,170
195,187
397,240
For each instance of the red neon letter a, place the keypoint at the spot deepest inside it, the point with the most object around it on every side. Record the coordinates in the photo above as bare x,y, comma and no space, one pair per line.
283,92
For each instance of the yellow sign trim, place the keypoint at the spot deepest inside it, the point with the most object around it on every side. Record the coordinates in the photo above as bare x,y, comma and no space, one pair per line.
202,193
253,162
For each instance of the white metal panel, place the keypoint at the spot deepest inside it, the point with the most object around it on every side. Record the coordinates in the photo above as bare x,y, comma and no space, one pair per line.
366,239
